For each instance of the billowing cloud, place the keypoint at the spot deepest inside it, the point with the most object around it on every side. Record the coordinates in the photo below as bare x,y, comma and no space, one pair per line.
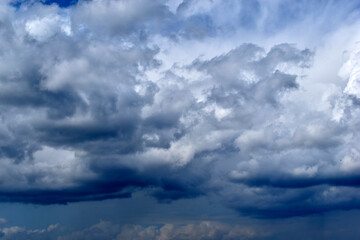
106,98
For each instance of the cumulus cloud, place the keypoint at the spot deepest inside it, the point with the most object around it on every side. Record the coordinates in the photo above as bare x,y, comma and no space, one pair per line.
16,232
201,230
106,98
107,230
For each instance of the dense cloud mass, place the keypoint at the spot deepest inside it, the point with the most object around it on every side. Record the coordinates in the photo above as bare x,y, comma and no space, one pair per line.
109,97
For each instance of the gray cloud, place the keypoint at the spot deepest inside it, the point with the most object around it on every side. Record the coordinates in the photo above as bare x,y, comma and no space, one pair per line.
92,108
202,230
108,230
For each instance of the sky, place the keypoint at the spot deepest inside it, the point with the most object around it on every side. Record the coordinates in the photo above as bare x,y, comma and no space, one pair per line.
171,119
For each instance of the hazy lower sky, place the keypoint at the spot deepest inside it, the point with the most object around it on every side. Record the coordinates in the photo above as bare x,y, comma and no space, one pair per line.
194,119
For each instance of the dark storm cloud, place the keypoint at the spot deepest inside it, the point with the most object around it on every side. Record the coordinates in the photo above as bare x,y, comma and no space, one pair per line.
102,99
299,182
269,202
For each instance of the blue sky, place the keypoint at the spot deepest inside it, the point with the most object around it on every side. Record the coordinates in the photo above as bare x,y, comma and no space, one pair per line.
179,119
60,3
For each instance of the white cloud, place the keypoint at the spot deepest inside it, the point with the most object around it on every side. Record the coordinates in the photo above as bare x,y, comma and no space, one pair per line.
43,28
146,91
351,71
